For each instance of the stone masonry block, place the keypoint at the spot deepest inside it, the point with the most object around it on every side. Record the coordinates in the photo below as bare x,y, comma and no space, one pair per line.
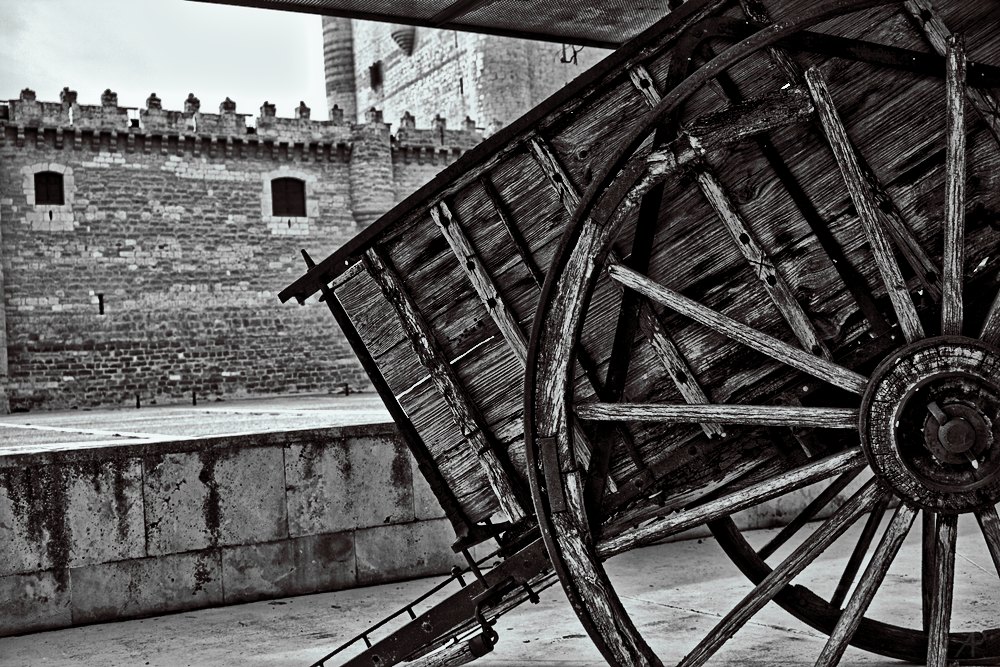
178,503
249,488
290,567
146,586
356,482
32,519
425,503
33,602
104,511
418,549
381,481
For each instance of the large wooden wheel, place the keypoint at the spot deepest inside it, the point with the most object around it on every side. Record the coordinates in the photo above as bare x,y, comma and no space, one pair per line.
788,276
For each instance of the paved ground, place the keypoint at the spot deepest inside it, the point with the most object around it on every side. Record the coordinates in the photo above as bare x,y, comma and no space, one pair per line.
31,431
676,591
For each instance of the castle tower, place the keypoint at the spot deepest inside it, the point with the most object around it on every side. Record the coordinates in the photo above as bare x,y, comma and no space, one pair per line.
338,55
490,79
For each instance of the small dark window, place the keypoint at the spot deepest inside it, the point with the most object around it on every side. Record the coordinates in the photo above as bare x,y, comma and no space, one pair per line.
375,74
49,188
288,197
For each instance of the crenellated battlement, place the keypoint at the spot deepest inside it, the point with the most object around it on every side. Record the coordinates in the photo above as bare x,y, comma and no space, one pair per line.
29,116
427,144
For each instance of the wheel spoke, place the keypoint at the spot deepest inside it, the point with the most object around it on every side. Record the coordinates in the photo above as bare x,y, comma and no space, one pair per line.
756,415
658,529
807,513
871,579
928,533
858,554
954,187
797,561
727,326
990,524
944,579
847,161
991,327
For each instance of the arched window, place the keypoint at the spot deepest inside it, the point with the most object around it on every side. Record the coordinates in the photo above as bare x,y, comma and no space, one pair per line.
49,189
288,197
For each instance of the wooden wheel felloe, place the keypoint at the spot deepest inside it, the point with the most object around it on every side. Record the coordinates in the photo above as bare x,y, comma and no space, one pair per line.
789,275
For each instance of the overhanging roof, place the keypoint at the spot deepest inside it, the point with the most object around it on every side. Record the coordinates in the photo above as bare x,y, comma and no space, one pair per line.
605,23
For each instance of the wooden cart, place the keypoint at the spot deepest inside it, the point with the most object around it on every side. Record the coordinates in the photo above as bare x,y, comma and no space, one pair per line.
754,249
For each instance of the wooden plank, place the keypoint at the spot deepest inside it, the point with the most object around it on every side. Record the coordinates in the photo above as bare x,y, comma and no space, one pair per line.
462,410
990,332
797,561
523,249
771,279
881,251
954,190
755,415
475,269
915,255
554,171
986,104
674,363
870,581
763,343
944,580
773,487
773,282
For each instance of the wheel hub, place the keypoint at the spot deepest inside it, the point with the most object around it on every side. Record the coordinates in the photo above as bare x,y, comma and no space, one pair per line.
930,423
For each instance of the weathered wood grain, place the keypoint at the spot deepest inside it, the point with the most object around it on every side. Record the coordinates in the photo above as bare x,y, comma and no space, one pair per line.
954,190
753,495
463,412
928,537
797,561
772,347
944,580
377,322
929,19
774,283
553,169
479,276
914,253
587,575
868,585
757,415
676,366
847,161
989,522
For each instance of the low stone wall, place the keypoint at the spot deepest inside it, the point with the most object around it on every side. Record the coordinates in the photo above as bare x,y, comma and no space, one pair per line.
118,531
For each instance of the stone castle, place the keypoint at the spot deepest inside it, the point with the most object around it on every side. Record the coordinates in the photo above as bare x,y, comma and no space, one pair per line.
142,249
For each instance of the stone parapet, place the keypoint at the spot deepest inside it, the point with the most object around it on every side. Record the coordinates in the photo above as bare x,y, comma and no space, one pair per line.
124,531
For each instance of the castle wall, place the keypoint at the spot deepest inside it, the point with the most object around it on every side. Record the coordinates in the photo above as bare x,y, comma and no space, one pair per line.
157,277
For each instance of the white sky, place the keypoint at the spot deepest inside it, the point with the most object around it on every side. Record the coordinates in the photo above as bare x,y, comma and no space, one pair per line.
170,47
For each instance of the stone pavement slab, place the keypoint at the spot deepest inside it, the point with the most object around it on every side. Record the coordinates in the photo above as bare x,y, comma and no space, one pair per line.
676,591
27,432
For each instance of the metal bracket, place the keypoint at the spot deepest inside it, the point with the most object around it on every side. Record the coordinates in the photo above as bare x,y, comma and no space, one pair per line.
549,449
